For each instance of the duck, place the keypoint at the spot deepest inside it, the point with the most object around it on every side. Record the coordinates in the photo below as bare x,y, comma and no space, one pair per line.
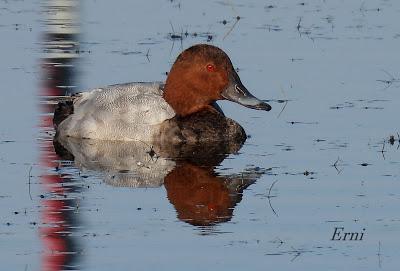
183,109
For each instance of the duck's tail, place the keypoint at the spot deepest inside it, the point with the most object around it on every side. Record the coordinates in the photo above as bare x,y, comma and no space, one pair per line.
64,106
62,111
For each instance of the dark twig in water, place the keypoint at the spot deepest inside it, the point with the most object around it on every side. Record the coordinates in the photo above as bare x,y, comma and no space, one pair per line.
269,197
173,36
29,182
230,29
303,30
398,138
235,23
172,47
147,55
172,27
182,39
383,150
362,8
297,254
279,241
299,26
336,164
379,255
390,81
151,152
392,140
232,6
284,106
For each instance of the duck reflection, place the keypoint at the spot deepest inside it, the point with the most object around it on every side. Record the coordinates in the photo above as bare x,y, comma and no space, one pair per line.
200,195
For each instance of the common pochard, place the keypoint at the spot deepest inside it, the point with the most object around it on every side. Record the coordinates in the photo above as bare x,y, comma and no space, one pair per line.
181,110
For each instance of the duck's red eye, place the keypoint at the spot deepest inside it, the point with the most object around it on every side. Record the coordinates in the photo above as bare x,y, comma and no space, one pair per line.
210,68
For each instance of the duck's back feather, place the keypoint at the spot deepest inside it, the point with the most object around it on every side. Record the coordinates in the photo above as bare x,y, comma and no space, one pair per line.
131,111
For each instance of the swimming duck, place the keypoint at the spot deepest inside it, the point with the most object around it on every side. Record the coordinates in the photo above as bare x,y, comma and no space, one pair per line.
181,110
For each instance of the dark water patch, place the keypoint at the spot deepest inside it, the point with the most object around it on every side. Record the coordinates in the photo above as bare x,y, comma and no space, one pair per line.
176,36
375,100
322,37
293,252
314,31
7,141
126,52
373,38
183,35
304,173
210,231
337,144
392,139
269,7
308,173
207,36
270,27
296,59
329,19
303,122
224,22
373,107
343,105
244,242
176,4
89,43
229,4
365,9
361,104
285,147
149,41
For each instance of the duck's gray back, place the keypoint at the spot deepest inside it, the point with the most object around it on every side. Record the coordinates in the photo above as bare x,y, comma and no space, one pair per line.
131,111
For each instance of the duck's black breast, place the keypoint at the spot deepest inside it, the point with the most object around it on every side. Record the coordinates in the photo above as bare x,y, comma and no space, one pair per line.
205,126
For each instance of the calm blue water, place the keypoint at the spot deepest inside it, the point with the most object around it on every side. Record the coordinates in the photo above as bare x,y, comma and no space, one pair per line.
326,156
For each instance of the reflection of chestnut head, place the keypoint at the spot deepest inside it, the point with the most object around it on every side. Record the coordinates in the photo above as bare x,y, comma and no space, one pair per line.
200,197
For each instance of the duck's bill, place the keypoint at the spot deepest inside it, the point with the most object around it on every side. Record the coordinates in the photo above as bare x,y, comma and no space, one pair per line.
237,93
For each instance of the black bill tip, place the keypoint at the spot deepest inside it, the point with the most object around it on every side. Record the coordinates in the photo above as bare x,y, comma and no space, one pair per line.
237,93
263,106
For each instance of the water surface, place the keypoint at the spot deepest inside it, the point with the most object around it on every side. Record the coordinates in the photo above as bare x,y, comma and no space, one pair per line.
326,156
